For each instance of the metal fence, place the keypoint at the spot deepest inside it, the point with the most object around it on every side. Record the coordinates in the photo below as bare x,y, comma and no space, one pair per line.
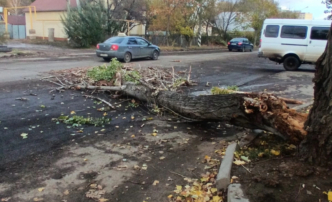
15,31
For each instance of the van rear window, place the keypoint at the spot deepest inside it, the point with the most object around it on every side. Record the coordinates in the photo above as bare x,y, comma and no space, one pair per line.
319,33
272,31
294,32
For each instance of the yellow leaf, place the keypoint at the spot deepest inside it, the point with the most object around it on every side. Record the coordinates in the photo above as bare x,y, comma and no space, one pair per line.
261,154
41,189
205,179
133,136
239,162
66,192
162,158
214,190
154,134
105,114
38,199
72,112
170,196
103,200
275,152
132,118
155,182
329,196
216,199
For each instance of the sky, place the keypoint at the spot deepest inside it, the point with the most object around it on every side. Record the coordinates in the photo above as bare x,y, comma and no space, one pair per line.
306,6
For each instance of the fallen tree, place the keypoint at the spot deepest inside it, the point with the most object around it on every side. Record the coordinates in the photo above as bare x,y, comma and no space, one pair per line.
162,87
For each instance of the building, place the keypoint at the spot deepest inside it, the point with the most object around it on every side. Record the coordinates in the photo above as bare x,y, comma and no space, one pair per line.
48,15
306,16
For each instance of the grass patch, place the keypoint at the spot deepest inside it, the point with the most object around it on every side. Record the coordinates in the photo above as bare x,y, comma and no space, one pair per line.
77,121
223,91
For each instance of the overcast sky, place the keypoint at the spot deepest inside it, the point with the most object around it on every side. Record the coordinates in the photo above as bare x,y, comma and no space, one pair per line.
306,6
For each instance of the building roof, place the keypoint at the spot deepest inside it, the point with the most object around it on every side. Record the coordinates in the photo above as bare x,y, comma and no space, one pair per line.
16,20
52,5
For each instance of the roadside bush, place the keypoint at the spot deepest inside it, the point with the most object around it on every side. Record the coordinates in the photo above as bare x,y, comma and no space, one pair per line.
105,72
89,25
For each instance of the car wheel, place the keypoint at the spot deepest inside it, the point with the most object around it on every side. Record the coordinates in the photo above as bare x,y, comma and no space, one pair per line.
229,49
251,49
127,57
107,59
155,55
291,63
243,50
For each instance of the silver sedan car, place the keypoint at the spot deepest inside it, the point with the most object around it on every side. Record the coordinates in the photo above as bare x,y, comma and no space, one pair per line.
127,48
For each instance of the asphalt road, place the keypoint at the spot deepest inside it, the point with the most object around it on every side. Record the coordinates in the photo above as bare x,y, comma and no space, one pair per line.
44,143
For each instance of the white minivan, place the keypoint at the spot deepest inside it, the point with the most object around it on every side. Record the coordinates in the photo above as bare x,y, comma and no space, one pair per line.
293,42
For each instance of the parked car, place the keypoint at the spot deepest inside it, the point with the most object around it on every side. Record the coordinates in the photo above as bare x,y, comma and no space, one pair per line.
240,44
293,42
127,48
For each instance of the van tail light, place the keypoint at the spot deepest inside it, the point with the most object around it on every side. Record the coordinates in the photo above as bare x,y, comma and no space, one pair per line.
114,47
260,42
240,43
229,43
97,46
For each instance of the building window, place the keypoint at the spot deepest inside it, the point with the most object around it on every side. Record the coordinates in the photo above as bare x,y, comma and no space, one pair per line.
319,33
272,31
294,32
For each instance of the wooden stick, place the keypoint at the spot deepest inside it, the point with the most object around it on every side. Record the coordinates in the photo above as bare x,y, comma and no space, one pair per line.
189,73
97,98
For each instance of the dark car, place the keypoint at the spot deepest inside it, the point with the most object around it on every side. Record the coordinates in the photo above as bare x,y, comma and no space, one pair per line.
240,44
127,48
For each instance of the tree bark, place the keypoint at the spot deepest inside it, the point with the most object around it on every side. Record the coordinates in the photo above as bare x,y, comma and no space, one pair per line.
251,110
317,147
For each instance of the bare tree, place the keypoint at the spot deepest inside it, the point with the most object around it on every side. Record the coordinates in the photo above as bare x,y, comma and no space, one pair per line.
227,16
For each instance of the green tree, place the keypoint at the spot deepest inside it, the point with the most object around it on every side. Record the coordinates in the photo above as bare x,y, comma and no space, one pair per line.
89,25
255,12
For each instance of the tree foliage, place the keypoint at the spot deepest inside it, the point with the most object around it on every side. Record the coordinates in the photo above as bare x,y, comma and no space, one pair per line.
86,26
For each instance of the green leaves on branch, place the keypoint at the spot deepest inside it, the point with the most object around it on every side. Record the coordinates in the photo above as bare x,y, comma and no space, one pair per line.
105,72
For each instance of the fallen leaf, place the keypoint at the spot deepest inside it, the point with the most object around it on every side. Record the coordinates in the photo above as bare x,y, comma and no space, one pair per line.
42,106
5,199
214,190
38,199
144,167
261,154
105,114
170,196
245,158
136,167
162,158
133,136
154,134
103,200
239,162
275,152
93,186
24,135
72,112
155,182
41,189
66,192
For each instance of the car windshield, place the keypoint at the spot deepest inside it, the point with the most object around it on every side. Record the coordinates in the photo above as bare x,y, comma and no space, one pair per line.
117,40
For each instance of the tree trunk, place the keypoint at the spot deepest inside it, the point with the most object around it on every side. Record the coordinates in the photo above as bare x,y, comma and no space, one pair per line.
317,147
250,110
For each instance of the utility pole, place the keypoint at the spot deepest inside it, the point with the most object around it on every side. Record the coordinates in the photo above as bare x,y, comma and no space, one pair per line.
199,41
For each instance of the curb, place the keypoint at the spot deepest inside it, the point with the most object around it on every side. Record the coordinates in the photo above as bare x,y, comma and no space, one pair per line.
224,174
